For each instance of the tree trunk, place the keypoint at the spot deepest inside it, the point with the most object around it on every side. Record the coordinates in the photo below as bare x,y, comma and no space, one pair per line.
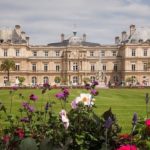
8,75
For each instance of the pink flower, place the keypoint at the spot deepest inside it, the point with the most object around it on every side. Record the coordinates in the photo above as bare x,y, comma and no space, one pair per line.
20,133
64,118
6,138
94,92
74,104
127,147
147,123
33,97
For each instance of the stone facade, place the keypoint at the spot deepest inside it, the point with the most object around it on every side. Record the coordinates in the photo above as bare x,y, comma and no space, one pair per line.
74,59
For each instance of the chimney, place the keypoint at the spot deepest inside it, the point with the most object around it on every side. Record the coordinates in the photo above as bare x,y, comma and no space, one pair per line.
140,40
27,39
117,40
1,40
18,29
9,41
23,35
84,37
132,29
124,35
62,37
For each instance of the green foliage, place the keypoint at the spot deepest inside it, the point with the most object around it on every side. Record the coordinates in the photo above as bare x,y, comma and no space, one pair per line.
21,80
86,129
28,144
57,79
86,79
43,129
142,135
89,130
7,65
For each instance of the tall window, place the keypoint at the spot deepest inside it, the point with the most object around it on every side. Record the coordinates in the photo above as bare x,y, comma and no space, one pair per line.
75,79
92,78
133,67
45,80
34,80
104,67
133,52
5,52
115,67
45,67
92,67
115,78
46,53
145,52
17,66
114,53
57,53
91,53
102,53
57,68
34,53
75,66
145,66
33,67
17,52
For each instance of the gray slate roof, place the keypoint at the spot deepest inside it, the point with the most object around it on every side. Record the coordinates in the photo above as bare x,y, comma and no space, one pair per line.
66,43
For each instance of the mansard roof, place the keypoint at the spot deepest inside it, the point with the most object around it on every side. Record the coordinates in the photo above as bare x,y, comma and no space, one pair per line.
74,41
66,43
134,35
16,35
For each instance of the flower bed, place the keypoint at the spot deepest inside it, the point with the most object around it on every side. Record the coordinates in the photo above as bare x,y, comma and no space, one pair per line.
79,128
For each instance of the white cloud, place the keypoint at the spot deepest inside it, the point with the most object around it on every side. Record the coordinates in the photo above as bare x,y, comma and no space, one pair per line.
45,20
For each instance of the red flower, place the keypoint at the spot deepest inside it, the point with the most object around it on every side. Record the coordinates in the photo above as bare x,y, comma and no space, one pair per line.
127,147
147,123
6,138
20,133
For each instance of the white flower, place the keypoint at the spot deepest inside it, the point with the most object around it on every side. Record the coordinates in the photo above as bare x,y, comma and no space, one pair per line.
85,98
64,118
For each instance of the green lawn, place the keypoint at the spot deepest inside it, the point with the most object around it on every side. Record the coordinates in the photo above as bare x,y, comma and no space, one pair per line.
124,102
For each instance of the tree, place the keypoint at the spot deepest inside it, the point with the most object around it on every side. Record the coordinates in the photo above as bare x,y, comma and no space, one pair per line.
7,65
21,80
86,79
57,79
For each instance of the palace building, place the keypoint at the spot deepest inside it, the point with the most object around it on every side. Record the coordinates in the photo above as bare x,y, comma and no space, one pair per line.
74,59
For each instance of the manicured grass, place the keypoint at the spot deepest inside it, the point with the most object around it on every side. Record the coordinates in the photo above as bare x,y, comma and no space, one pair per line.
124,102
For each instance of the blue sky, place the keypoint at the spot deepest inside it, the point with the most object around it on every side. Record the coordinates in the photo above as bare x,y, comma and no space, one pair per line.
101,20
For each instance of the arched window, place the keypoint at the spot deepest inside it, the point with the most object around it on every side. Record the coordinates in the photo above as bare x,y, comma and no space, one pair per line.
45,80
115,78
34,80
92,78
5,79
75,79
